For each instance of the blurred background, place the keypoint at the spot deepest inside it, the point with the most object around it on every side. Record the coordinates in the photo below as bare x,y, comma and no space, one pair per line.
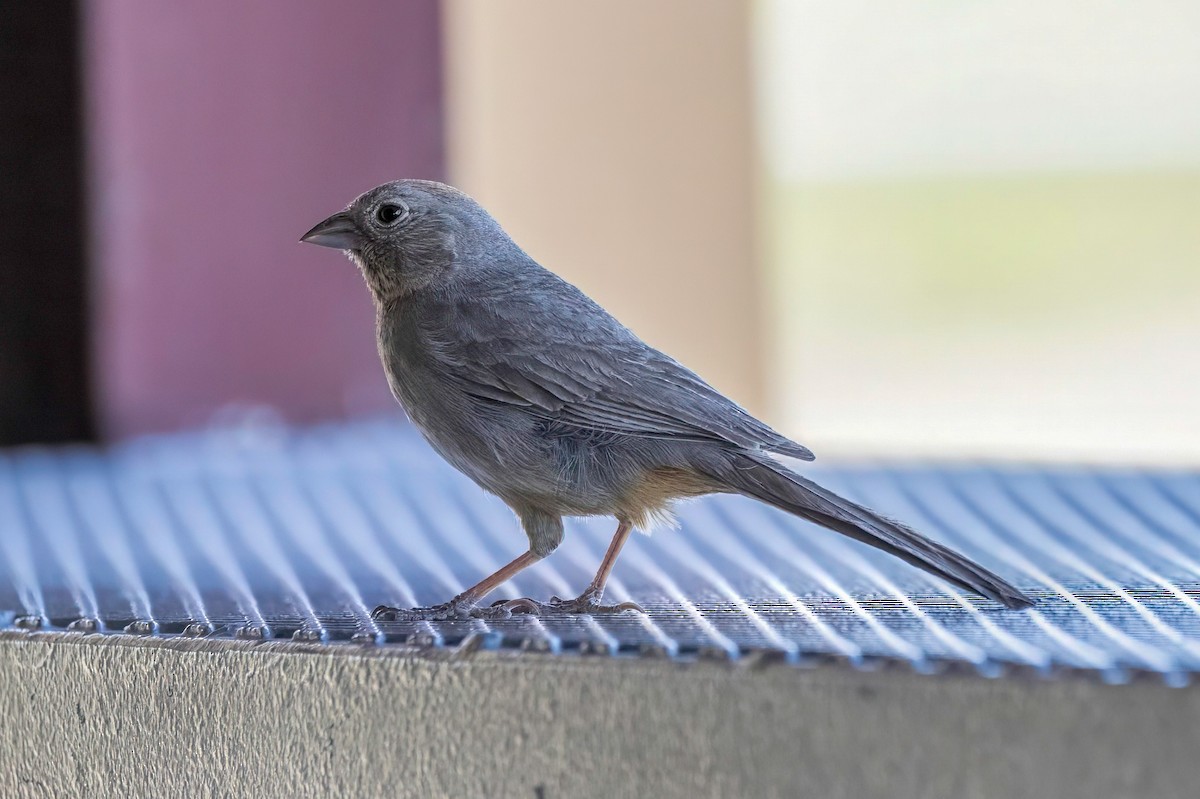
942,229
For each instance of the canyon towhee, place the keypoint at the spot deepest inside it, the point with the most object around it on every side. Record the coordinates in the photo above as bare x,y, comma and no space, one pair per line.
541,397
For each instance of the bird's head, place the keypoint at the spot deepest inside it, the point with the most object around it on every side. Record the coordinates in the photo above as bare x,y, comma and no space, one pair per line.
406,234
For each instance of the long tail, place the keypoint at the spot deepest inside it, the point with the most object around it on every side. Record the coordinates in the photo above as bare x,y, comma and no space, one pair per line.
772,483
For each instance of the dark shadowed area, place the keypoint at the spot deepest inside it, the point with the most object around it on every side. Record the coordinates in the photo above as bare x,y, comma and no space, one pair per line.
44,394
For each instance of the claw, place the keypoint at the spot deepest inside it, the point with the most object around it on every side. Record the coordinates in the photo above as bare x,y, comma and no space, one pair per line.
505,608
385,613
522,605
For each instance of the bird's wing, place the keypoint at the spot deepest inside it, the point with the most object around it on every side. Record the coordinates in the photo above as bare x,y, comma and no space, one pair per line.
574,364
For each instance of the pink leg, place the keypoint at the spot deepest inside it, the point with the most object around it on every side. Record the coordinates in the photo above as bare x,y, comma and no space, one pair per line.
465,603
589,600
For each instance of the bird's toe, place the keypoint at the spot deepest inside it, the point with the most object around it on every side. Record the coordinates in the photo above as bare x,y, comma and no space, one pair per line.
505,608
447,611
385,613
587,604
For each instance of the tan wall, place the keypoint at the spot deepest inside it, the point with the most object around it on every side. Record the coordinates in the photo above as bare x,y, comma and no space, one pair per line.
614,141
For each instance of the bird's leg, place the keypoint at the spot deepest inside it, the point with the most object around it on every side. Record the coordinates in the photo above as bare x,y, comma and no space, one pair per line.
465,604
589,600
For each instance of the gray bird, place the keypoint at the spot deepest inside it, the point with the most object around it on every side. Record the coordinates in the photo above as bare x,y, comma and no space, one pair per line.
540,396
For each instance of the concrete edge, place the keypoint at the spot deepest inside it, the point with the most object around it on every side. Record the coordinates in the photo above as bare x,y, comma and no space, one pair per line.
114,715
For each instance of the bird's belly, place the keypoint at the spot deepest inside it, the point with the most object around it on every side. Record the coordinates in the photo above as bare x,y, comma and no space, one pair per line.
496,447
528,471
505,455
529,462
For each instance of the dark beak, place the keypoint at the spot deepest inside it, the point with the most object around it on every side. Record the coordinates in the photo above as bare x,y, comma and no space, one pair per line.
338,231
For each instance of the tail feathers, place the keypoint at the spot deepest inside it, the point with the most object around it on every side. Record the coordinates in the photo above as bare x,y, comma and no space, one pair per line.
792,450
772,483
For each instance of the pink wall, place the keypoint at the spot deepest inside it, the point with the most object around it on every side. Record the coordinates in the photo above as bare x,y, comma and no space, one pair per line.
219,132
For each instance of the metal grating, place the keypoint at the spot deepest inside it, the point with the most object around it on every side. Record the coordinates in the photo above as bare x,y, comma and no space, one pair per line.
260,532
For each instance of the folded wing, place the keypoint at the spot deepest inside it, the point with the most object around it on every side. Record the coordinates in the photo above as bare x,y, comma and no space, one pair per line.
589,372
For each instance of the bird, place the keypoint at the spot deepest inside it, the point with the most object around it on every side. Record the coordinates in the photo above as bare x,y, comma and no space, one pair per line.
530,388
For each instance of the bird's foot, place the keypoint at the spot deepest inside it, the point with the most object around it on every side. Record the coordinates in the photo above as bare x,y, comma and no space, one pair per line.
447,611
457,610
589,602
585,604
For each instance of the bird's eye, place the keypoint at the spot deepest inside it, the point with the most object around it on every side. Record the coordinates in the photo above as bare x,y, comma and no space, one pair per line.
388,214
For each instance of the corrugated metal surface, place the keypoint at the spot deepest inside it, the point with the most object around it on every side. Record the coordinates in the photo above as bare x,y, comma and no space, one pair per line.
262,531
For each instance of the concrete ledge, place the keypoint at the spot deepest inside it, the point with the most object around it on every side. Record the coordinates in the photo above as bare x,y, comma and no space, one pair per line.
90,715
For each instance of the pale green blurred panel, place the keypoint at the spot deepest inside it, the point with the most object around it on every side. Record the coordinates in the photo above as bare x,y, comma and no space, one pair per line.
982,226
1046,316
